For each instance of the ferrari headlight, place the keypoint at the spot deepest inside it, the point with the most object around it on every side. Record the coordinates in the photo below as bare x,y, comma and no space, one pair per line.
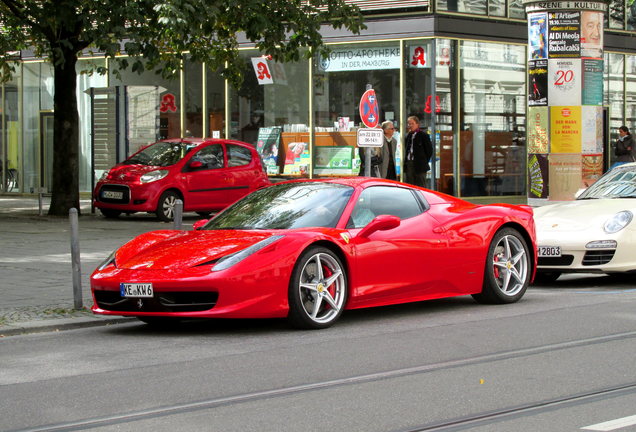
153,176
229,260
617,222
108,261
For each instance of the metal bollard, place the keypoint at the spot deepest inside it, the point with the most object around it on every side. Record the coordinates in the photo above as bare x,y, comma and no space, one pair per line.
75,259
178,214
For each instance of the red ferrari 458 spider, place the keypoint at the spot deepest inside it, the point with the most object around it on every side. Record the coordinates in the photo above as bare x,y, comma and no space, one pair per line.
309,249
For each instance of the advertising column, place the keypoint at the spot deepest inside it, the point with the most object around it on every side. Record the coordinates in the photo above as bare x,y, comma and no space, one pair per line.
565,97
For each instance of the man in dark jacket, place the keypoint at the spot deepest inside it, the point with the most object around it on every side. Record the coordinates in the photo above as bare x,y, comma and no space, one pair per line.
418,152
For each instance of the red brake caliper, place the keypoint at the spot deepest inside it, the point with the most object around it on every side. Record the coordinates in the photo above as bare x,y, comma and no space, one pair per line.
496,268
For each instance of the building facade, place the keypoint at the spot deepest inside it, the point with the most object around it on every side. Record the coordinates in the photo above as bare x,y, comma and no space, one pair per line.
461,66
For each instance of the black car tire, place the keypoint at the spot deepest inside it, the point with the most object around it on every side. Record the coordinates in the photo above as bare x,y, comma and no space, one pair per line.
166,205
508,269
317,290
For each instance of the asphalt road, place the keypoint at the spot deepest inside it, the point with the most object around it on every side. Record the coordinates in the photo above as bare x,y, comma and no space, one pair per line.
562,359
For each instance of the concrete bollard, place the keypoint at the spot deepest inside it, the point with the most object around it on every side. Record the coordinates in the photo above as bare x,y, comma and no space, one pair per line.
75,259
178,214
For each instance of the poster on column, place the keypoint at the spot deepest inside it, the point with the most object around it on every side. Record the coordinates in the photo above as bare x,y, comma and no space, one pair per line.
538,122
565,174
537,176
592,34
591,130
537,35
564,82
592,169
592,91
564,38
565,129
538,82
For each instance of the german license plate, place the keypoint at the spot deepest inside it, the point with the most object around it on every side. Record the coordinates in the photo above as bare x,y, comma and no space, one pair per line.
549,251
112,194
136,289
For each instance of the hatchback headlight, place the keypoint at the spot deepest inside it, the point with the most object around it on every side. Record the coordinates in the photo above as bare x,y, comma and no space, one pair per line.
153,176
617,222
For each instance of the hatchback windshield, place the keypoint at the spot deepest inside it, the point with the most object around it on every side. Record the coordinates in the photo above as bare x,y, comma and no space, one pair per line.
286,206
617,183
161,154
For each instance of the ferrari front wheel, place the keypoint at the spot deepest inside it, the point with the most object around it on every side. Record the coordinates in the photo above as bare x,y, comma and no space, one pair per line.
317,290
508,268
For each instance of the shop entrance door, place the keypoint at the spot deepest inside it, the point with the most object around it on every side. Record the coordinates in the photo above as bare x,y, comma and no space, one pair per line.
46,150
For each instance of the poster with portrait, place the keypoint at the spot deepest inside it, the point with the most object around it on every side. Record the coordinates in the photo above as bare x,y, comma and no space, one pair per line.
565,174
564,37
538,82
592,91
296,159
443,52
592,169
537,35
564,82
267,144
565,129
592,34
538,122
537,175
592,129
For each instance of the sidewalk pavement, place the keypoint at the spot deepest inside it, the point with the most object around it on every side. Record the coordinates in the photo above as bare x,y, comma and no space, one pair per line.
36,281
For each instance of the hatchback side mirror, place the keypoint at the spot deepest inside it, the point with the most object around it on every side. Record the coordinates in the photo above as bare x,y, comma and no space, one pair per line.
380,223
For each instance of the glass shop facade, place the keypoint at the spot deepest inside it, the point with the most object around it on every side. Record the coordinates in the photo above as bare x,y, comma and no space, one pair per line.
460,66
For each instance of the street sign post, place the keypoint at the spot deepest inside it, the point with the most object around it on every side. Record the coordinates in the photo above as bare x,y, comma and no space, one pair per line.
370,137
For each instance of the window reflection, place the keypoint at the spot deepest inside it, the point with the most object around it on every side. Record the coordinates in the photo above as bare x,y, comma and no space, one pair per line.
492,121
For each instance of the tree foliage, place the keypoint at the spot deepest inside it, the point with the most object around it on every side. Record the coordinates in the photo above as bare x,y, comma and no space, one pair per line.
154,35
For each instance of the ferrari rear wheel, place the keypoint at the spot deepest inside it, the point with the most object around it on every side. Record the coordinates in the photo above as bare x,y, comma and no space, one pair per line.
317,290
508,268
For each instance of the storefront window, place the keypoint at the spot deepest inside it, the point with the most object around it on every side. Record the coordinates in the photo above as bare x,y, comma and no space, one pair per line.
84,83
37,126
614,70
149,96
516,9
630,92
434,107
492,148
215,99
340,82
270,111
617,14
10,151
193,99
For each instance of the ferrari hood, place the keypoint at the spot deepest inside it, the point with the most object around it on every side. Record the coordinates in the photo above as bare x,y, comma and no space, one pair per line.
178,250
579,215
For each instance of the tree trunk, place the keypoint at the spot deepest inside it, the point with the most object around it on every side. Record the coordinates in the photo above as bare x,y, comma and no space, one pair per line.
65,189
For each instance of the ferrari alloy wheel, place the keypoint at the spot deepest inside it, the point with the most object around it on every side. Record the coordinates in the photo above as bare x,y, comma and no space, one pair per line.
318,289
508,268
166,206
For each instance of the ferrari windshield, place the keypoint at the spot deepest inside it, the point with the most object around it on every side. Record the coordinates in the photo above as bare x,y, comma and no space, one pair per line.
286,206
617,183
161,154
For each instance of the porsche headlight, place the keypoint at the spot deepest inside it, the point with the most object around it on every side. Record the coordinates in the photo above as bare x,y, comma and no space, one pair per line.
153,176
108,261
229,260
617,222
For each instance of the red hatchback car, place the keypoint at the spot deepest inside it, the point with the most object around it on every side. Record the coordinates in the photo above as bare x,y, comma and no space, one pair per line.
206,174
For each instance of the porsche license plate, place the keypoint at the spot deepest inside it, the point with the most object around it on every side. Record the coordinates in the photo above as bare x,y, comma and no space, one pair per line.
549,251
112,194
136,289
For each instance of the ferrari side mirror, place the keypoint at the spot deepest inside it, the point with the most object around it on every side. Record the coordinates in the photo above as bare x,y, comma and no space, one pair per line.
198,224
380,223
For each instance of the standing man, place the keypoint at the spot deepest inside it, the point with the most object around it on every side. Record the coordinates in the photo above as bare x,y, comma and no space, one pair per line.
419,150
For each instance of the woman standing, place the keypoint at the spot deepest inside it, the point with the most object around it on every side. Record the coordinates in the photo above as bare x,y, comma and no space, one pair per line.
624,147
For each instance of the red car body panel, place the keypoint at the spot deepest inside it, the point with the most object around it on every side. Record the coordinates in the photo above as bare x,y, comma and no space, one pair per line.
440,253
204,190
